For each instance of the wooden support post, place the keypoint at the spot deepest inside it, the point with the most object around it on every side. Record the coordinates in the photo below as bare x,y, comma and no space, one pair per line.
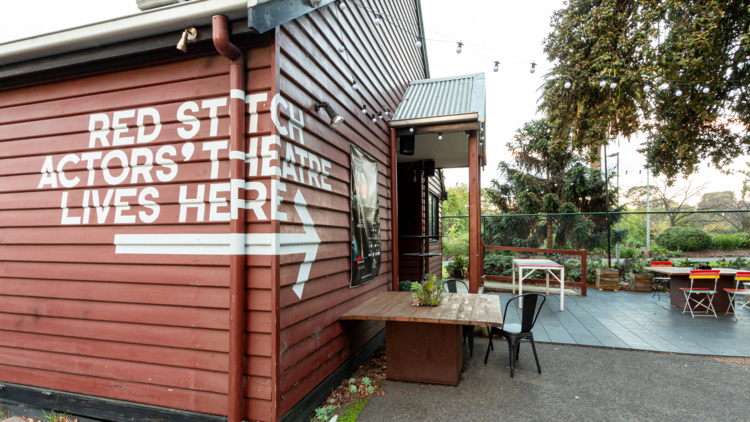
475,212
394,211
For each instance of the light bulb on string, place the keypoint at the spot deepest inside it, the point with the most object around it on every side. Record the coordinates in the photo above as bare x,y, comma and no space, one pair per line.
646,88
482,138
533,67
380,115
459,49
613,85
706,90
378,19
387,111
354,85
411,129
342,48
496,67
603,82
567,84
418,43
364,109
678,92
374,119
440,136
468,134
342,5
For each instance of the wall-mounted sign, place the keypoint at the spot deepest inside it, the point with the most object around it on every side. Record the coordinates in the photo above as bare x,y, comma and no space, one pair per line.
365,217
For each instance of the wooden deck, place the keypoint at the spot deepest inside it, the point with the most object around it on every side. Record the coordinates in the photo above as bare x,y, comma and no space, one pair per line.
629,320
456,309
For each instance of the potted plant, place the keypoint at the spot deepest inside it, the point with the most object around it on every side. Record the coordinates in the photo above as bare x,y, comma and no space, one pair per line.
427,293
459,265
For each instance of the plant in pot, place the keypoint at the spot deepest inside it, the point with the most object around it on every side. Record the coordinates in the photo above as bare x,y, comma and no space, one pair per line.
427,293
459,266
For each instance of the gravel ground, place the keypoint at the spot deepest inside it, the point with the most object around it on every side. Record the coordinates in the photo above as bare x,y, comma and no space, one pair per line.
577,384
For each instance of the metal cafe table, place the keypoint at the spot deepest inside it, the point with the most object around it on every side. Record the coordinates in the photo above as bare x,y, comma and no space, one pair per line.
680,277
425,343
548,266
423,252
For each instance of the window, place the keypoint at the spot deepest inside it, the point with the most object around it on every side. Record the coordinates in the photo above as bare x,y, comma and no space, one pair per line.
433,216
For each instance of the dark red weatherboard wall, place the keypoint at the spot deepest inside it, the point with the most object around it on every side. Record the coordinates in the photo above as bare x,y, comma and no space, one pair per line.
115,200
95,297
313,342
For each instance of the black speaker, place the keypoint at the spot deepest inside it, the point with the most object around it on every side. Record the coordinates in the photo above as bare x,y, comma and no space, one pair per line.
407,145
429,168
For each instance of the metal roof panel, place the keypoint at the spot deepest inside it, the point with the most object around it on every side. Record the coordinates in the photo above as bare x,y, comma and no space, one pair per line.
443,97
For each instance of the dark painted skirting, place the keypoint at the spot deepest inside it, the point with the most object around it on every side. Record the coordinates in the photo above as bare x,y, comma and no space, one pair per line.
306,407
97,407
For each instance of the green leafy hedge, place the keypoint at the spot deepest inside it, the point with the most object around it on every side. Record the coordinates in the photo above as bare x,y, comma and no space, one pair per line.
684,239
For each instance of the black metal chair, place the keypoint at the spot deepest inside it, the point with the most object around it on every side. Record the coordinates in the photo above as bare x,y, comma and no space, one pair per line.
514,333
450,285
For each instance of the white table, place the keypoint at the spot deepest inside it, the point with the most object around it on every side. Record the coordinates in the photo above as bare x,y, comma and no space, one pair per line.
528,266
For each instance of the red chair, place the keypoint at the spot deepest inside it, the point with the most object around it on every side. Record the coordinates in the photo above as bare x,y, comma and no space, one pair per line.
660,280
706,293
740,277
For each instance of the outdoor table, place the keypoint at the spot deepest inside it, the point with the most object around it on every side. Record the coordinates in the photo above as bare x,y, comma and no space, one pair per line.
425,343
680,277
548,266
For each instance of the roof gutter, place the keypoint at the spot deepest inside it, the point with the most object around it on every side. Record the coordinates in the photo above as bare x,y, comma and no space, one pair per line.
438,120
152,22
424,43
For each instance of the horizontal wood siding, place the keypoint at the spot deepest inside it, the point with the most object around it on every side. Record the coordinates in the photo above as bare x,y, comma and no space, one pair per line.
313,341
80,315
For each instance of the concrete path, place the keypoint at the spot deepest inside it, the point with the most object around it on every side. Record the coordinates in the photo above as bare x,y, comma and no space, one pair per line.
577,384
629,320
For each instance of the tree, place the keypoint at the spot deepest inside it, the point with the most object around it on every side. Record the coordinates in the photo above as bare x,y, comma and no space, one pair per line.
721,201
546,179
666,195
669,45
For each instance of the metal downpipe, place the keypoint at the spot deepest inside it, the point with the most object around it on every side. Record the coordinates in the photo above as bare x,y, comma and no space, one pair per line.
237,220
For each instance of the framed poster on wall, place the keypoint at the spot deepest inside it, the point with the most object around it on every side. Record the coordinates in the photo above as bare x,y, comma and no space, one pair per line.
365,217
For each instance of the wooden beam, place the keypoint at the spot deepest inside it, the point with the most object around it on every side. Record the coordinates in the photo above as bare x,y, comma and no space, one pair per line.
394,211
454,127
475,212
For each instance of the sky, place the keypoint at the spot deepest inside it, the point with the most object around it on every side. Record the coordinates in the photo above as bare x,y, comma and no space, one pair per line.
511,32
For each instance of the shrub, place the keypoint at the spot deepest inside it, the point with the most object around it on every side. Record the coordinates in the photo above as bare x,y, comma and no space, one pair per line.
629,253
456,243
730,242
404,286
497,264
684,239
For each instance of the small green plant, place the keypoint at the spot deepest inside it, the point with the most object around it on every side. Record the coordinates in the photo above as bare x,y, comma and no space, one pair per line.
352,381
460,262
55,417
323,413
630,253
4,413
366,382
352,413
352,388
404,286
370,390
427,293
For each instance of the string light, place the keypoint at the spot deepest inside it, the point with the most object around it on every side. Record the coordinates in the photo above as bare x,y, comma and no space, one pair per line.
646,88
380,115
411,129
613,85
440,136
567,83
497,66
378,19
387,112
482,138
678,92
467,134
533,67
342,5
374,119
364,109
602,82
418,43
706,90
342,48
458,49
354,85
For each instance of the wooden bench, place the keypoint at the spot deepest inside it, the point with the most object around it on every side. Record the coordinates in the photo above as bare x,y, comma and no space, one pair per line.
424,344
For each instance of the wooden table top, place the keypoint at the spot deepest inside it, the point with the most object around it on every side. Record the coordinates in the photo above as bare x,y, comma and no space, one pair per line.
456,308
686,270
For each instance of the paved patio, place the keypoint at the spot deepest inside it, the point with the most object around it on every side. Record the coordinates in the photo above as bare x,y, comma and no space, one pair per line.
628,320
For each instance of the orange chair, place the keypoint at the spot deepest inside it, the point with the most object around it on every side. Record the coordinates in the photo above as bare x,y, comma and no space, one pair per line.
660,280
701,291
740,277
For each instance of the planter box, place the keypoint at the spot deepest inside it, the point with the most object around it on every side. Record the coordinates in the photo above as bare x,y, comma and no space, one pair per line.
641,282
607,279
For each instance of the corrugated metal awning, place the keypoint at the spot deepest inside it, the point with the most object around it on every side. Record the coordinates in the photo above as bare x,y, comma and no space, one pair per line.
454,99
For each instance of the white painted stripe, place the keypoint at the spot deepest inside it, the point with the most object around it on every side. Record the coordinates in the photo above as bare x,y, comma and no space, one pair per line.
236,243
236,155
237,94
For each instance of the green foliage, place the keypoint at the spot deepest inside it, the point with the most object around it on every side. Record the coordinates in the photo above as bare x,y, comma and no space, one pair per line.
404,286
370,390
323,413
738,264
428,292
352,389
55,417
498,264
730,242
456,242
366,382
352,412
460,262
680,42
684,239
632,265
4,413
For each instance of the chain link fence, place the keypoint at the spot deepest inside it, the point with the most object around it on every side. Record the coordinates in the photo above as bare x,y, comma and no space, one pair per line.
671,234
